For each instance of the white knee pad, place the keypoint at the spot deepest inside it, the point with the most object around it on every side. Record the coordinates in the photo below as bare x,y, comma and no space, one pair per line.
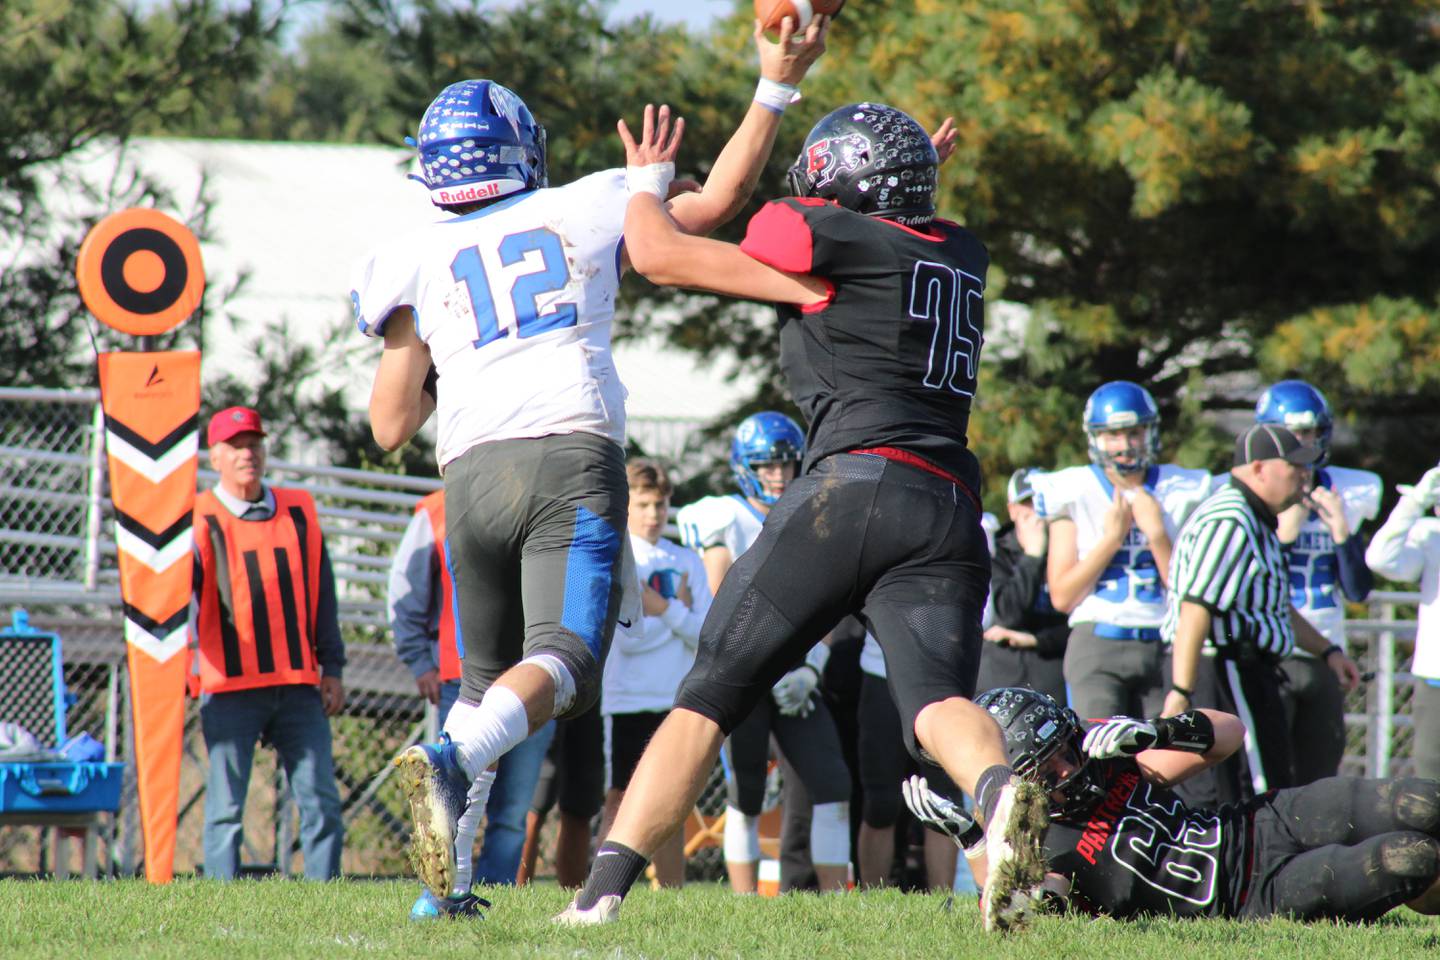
830,834
742,837
560,676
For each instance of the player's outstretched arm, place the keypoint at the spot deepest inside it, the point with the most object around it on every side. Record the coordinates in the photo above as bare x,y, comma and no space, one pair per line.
664,255
735,172
399,400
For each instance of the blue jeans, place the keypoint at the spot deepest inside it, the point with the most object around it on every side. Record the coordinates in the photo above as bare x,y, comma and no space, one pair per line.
509,799
292,719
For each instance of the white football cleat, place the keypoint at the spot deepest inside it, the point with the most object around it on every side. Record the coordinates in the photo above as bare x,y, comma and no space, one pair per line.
1016,857
606,910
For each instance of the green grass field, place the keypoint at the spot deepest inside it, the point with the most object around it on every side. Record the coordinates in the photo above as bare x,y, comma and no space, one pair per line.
291,920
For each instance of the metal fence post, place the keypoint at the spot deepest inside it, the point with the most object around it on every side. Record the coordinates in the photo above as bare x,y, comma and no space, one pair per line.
93,499
1385,694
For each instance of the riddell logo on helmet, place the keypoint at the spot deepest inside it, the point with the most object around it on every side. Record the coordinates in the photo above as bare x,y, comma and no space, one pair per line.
478,191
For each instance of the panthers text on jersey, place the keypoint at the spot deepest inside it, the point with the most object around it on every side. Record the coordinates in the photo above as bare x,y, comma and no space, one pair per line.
1129,592
1314,583
515,302
890,360
1140,850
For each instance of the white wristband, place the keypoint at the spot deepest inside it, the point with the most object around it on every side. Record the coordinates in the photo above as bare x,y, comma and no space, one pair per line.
775,96
652,179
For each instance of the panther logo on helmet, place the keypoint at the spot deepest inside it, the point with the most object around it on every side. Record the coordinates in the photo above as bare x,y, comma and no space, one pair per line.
826,158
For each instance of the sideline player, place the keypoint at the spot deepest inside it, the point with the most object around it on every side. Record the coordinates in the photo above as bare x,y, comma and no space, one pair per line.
1341,848
1326,556
881,319
498,318
765,456
1111,526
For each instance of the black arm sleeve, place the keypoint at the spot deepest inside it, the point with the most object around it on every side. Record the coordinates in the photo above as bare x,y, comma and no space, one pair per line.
1355,577
329,647
1050,642
1014,587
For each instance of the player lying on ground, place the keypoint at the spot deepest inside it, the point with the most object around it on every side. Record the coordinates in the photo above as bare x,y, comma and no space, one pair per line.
1342,848
881,318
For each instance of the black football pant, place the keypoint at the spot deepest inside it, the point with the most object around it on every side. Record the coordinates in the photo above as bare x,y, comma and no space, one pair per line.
1345,848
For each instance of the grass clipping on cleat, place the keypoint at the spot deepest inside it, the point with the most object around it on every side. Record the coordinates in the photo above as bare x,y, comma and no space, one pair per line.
1018,871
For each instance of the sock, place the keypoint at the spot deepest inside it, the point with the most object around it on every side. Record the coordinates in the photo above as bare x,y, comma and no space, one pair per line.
987,789
483,735
476,801
615,870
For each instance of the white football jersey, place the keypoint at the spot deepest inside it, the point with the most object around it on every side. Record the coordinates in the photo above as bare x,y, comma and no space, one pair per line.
515,302
1314,577
1129,592
731,522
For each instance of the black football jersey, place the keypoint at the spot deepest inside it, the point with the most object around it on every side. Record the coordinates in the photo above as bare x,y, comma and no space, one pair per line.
891,358
1140,850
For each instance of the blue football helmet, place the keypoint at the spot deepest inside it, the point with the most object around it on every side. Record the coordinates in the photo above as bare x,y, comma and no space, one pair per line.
478,141
767,437
1118,405
1296,405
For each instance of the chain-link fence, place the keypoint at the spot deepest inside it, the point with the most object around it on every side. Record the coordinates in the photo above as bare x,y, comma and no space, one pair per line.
57,557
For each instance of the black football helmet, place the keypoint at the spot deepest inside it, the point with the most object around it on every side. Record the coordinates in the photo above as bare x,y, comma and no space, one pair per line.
1036,728
872,159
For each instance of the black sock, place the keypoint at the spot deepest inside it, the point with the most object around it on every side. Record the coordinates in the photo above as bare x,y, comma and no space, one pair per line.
615,870
987,789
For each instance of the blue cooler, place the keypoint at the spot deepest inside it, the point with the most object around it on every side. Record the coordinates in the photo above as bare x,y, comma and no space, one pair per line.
32,695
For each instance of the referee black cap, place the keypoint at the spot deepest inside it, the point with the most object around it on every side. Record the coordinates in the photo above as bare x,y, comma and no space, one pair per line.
1267,441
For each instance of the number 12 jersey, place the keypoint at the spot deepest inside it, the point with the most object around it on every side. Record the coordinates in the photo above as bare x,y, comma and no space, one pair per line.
515,302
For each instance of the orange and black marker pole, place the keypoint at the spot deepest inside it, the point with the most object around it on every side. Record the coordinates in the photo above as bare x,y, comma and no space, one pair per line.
140,273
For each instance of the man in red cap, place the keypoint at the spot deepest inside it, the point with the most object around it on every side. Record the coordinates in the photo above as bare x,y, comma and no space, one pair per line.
268,649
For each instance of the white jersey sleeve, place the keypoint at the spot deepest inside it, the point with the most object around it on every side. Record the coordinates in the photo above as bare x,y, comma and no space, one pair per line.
515,302
730,522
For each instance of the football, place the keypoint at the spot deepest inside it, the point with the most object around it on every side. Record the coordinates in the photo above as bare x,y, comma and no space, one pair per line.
771,12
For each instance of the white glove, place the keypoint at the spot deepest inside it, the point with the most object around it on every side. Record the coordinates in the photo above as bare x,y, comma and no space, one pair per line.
941,814
1119,737
794,694
1426,492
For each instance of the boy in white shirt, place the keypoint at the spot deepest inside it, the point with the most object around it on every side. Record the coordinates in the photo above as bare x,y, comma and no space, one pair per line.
649,659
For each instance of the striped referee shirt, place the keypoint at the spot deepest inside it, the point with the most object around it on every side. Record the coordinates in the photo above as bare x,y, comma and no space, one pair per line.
1229,560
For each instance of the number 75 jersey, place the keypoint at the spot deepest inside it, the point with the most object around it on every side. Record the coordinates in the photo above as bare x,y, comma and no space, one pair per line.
515,302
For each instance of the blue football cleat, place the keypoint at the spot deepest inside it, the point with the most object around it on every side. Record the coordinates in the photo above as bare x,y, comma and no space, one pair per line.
436,785
430,907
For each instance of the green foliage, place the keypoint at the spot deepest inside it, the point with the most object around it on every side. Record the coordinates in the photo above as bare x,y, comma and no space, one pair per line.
201,920
76,75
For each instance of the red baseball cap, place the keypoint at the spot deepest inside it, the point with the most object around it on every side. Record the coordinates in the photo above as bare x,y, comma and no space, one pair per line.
234,420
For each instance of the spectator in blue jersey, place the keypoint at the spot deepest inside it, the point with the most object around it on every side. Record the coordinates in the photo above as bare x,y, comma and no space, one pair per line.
1326,555
422,621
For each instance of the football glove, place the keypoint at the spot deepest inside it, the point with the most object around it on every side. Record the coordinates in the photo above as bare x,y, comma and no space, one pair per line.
794,695
943,815
1119,737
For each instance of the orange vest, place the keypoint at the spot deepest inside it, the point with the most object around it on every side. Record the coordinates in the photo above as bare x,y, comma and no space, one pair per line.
259,594
434,506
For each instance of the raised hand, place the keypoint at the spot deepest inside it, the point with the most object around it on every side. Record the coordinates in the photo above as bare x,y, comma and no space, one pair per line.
1327,504
658,142
945,139
788,59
